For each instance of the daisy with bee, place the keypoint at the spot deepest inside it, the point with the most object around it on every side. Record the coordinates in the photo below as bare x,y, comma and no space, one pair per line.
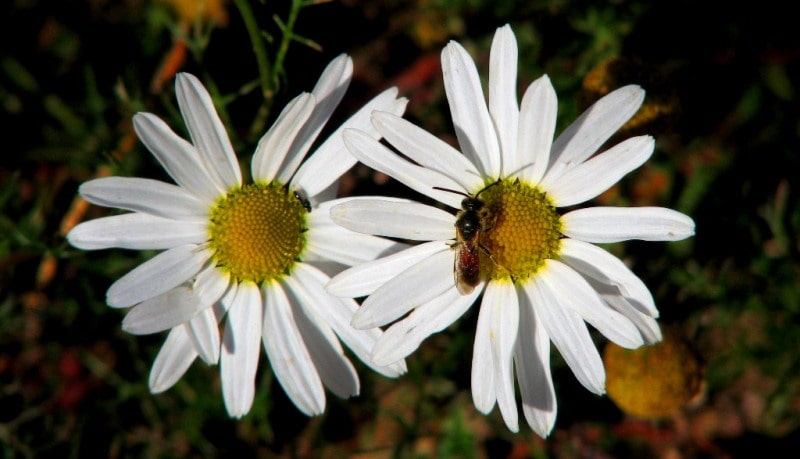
534,269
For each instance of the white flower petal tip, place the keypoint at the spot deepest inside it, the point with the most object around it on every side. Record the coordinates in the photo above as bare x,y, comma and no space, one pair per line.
289,354
172,361
384,357
173,308
179,158
207,132
332,158
136,231
144,195
156,276
395,369
426,149
363,321
241,349
505,32
587,180
389,364
503,105
537,124
616,224
473,123
390,218
543,430
372,153
631,95
591,130
273,146
204,331
364,279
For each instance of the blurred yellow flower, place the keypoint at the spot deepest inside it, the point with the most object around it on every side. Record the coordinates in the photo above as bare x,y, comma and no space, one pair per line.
208,10
660,107
653,381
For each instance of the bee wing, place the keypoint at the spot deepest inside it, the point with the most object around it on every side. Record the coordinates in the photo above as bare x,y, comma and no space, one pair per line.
463,286
467,269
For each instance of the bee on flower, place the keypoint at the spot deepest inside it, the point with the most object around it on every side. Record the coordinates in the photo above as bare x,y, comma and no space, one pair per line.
540,274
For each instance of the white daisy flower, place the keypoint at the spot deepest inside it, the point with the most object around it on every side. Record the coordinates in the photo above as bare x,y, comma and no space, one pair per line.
540,274
254,257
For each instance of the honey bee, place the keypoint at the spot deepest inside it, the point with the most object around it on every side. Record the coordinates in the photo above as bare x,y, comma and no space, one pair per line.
471,221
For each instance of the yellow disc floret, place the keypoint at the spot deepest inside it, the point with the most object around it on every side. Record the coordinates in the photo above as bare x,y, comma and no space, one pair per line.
520,230
257,232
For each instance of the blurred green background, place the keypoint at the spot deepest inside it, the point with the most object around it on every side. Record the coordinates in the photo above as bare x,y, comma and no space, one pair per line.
722,103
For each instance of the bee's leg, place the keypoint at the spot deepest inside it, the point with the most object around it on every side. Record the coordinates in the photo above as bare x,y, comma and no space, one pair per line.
488,219
491,257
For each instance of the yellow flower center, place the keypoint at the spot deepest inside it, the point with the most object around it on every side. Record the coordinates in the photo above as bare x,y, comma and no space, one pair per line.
520,230
257,232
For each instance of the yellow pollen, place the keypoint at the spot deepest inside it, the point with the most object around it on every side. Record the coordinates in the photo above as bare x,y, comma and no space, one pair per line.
257,232
521,229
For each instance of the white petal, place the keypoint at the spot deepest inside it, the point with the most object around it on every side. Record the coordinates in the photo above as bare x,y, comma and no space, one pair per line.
373,154
332,159
337,313
532,358
333,242
596,263
484,378
240,349
503,96
363,279
500,298
473,125
207,131
328,92
179,158
316,312
222,306
615,224
288,354
137,231
348,247
328,194
574,292
395,218
568,332
405,336
590,178
204,332
273,147
427,150
157,275
537,125
335,370
210,284
167,310
647,325
591,130
144,195
174,358
413,287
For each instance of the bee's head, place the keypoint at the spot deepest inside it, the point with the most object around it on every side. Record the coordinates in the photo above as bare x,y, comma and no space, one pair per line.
471,204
